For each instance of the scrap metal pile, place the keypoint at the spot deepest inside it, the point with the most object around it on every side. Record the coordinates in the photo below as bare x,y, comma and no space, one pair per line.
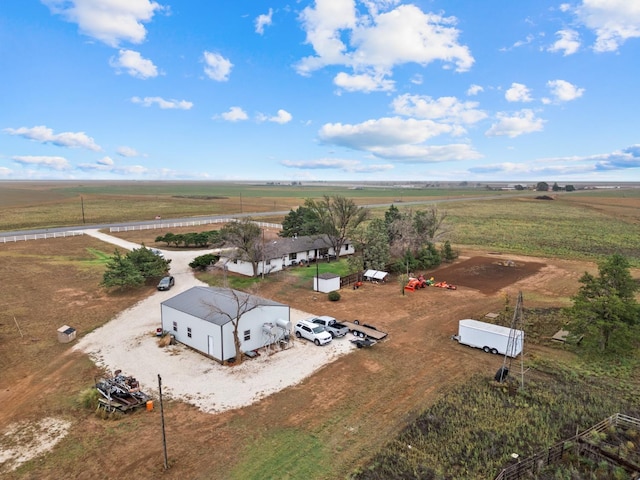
120,393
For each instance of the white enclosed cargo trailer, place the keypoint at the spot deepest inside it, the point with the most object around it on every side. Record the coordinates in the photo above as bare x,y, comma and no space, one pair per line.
490,338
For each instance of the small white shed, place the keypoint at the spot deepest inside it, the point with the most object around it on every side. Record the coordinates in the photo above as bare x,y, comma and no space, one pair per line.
326,282
203,318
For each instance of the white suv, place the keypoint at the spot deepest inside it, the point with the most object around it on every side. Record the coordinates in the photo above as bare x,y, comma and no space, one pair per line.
311,331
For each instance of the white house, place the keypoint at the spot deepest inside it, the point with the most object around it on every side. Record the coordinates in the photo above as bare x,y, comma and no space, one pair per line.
201,318
285,252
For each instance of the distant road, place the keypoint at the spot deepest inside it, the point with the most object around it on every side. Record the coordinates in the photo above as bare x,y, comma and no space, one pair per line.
244,215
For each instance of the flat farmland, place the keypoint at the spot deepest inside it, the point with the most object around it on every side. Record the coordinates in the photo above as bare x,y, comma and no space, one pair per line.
335,421
31,205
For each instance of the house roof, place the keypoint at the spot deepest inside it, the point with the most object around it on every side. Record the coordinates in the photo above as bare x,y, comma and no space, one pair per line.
211,303
288,245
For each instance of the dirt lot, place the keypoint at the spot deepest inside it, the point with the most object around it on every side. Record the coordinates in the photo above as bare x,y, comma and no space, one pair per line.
351,407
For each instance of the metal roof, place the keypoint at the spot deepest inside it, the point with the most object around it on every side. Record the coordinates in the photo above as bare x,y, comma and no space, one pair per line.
209,303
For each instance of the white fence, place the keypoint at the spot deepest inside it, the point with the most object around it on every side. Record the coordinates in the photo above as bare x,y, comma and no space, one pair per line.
38,236
191,223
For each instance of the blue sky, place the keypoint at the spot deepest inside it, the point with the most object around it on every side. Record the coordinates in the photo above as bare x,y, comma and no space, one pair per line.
366,90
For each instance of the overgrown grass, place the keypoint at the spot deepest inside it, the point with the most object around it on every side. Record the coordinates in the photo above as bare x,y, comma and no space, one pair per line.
473,430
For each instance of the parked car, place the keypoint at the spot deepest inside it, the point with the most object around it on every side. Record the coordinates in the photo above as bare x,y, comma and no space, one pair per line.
315,333
166,283
157,252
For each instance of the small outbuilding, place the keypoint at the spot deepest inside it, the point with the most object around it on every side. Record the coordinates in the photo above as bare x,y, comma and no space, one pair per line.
375,276
203,318
66,334
326,282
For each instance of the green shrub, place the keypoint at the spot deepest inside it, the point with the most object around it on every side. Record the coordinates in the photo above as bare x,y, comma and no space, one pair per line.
333,296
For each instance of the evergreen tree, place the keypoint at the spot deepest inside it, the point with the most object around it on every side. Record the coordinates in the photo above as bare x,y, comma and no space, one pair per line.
121,272
604,311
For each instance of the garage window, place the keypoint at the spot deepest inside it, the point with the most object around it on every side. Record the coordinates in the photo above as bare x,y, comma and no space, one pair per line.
175,326
189,332
247,335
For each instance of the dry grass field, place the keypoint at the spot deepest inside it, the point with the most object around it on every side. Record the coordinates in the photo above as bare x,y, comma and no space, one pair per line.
340,416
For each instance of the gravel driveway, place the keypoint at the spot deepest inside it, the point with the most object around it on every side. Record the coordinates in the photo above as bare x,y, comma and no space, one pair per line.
128,343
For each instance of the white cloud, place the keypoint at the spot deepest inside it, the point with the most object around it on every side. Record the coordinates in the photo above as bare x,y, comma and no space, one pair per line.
162,103
107,165
515,125
613,21
263,20
365,82
397,139
621,160
474,90
217,67
282,117
127,152
44,134
518,93
234,114
5,172
350,166
568,43
384,131
564,91
446,109
379,41
110,21
416,79
51,163
427,153
134,64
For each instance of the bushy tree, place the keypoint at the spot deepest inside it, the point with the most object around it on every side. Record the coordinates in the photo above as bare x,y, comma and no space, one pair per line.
542,187
605,312
148,263
203,261
300,222
121,272
447,253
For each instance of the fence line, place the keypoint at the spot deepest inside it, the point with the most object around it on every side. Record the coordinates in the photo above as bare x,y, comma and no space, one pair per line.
555,452
38,236
191,223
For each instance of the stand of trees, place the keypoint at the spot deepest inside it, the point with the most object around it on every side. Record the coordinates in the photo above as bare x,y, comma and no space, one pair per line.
134,268
192,239
605,313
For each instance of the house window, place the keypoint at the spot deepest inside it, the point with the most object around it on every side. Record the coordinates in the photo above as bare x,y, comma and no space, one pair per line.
175,326
189,332
346,247
293,256
247,335
268,262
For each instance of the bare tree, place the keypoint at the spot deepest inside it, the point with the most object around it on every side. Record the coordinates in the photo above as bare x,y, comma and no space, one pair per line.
338,217
410,230
233,304
247,239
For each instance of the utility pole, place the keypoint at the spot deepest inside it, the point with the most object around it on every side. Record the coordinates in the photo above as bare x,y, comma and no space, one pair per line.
164,438
82,206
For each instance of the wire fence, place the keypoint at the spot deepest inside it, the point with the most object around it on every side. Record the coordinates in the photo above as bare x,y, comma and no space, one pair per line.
524,468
